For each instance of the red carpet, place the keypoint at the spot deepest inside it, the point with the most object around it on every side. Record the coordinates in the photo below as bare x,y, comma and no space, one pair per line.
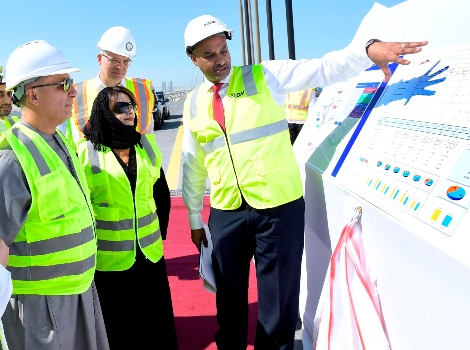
194,307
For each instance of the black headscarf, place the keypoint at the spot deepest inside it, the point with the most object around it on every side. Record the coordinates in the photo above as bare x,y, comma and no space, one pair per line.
103,129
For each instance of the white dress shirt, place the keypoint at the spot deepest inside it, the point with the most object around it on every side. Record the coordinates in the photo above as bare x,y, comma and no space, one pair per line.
282,77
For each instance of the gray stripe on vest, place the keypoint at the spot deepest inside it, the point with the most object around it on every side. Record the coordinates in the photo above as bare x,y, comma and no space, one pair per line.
141,88
94,159
10,120
193,103
52,245
146,220
150,239
249,81
80,113
259,132
41,273
148,148
115,246
120,225
33,150
216,143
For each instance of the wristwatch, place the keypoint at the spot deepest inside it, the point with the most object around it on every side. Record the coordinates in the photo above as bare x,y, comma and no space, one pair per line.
370,42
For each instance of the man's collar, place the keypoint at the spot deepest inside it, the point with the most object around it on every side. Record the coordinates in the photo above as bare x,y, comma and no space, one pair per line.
208,84
100,85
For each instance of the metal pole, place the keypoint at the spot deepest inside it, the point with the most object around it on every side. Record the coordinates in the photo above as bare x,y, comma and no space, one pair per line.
258,40
247,30
242,29
252,47
290,29
269,18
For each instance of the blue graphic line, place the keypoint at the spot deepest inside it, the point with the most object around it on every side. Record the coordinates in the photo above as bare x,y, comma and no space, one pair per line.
361,122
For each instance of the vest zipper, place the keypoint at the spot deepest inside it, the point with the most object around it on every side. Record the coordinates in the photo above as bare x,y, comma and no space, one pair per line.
231,160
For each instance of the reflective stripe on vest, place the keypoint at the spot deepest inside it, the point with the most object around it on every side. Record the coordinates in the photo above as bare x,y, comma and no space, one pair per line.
39,273
141,93
54,252
10,120
82,106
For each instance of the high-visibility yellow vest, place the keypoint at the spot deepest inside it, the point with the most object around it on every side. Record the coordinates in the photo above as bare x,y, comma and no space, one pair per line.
55,251
255,157
118,216
86,94
9,121
297,105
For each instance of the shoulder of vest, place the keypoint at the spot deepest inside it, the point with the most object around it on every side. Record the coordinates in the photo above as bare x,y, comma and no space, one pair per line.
138,80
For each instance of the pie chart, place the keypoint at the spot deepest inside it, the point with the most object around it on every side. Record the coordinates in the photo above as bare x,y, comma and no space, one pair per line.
428,182
455,193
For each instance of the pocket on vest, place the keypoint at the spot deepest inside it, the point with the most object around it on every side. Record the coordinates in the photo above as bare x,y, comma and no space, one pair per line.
52,196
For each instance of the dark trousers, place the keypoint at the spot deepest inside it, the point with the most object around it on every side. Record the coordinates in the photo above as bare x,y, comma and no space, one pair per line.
294,130
137,307
275,237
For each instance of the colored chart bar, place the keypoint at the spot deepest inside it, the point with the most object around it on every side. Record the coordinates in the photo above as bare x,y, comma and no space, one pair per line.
386,190
396,194
436,214
446,220
376,182
412,204
406,200
377,187
417,206
368,181
402,197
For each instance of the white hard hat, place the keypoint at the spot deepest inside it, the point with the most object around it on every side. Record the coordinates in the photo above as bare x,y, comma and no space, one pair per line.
204,27
118,40
31,60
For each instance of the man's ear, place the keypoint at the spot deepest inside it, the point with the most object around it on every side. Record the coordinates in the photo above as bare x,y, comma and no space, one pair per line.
193,58
32,97
98,58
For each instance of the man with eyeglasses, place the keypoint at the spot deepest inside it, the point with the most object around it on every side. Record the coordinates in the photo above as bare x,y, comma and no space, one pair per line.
117,48
6,121
46,214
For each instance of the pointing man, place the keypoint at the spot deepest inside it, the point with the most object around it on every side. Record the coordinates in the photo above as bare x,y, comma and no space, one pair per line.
236,134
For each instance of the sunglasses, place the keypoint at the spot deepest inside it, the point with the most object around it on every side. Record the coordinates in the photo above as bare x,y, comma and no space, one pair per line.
67,83
124,107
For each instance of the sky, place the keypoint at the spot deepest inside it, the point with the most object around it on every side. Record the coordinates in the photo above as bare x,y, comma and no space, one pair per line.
75,27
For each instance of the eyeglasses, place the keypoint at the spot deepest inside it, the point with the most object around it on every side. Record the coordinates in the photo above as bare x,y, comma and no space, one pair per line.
124,107
118,62
66,83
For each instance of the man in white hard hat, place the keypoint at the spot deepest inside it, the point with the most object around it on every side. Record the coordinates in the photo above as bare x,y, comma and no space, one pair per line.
117,49
236,134
47,217
6,104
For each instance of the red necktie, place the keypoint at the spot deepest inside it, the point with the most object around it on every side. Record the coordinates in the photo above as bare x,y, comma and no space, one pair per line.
217,106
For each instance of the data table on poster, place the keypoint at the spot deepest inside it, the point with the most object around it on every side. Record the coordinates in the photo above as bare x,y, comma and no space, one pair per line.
414,151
